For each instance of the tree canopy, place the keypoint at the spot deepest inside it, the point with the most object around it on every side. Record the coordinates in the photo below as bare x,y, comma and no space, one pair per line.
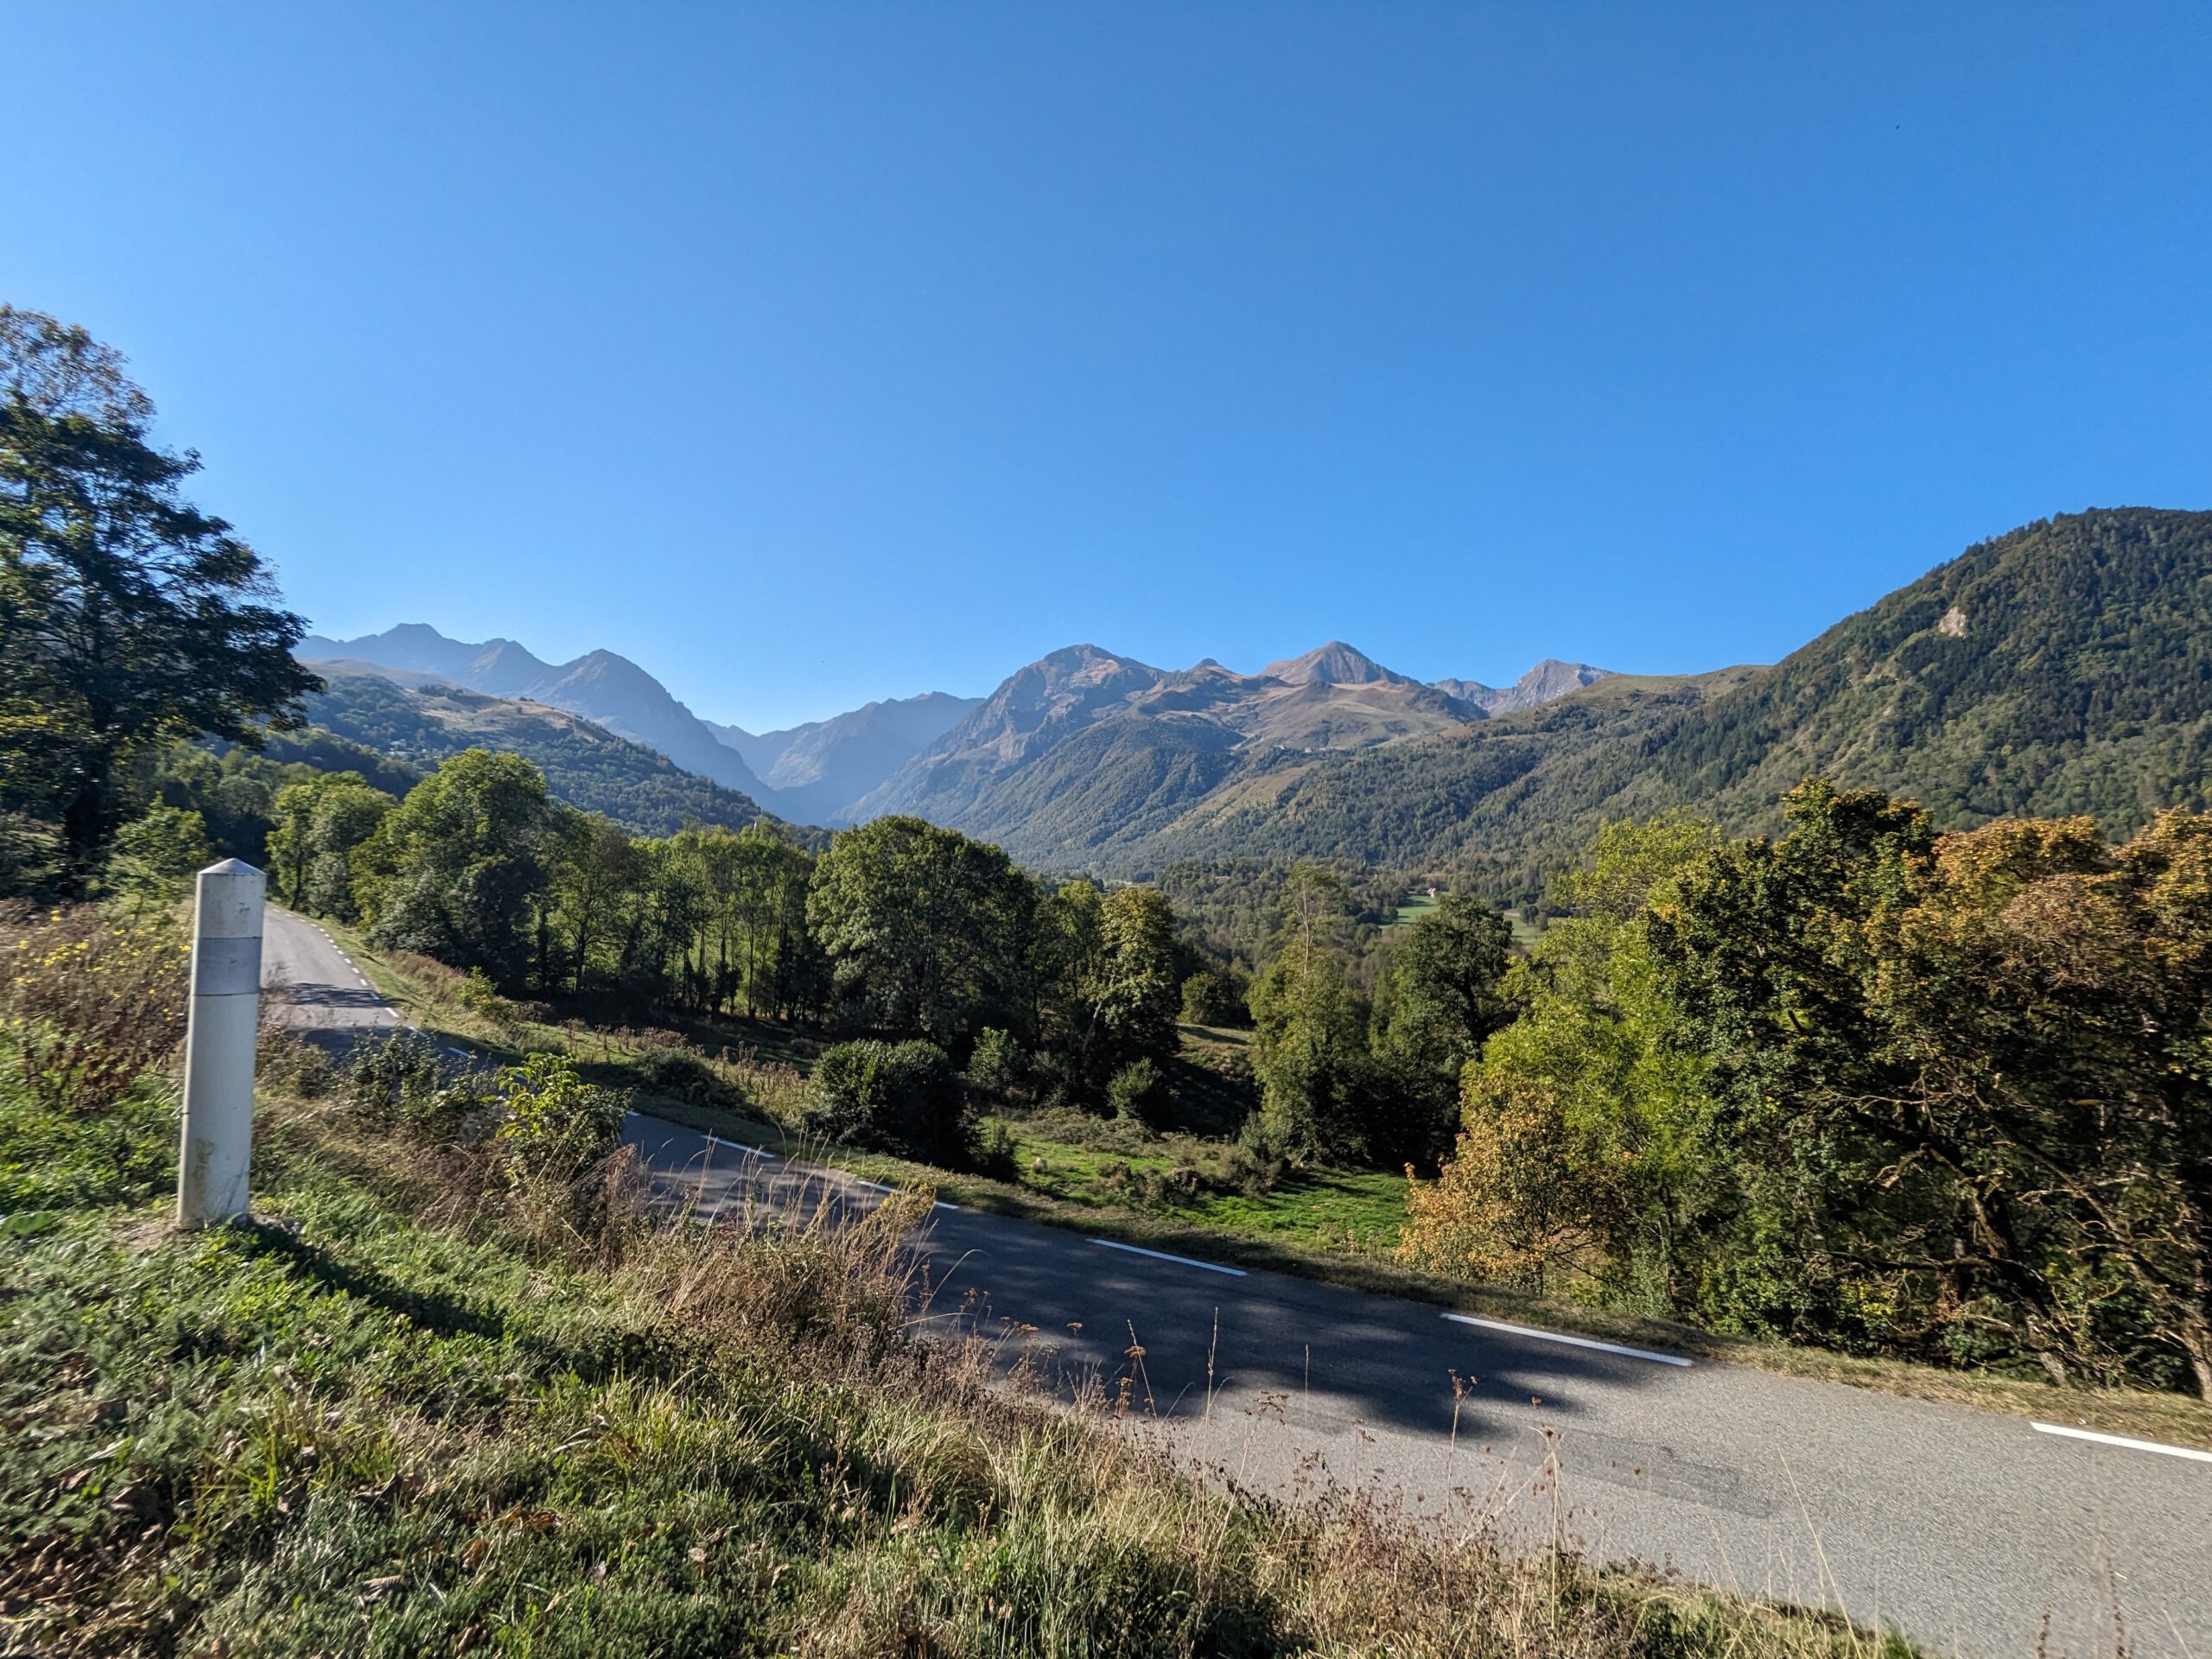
128,617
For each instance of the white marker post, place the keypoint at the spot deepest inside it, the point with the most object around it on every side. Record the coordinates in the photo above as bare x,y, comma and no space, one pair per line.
219,1044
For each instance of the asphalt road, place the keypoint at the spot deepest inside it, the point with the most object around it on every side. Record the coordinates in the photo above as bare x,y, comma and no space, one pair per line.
1974,1532
326,991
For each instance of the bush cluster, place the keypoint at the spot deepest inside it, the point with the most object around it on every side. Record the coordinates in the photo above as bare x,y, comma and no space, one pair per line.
899,1097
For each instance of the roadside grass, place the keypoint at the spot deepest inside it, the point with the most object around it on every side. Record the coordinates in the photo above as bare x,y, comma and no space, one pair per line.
1110,1165
1335,1226
422,1406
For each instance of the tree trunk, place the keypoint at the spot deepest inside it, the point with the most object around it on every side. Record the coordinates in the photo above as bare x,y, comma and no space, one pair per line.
2195,1339
85,832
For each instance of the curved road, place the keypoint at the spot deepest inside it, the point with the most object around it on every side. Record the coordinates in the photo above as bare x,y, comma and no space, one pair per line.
1972,1531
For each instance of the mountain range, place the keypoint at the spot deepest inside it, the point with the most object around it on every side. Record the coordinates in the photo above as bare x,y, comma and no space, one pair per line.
890,755
413,721
610,691
2064,667
819,769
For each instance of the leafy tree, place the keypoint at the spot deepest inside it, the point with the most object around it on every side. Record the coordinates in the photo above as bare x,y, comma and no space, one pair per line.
1313,1064
159,854
234,794
1526,1198
1972,1071
1136,997
1214,996
1439,1001
1445,981
456,870
1595,1032
318,826
925,931
59,369
786,971
597,880
997,1068
1110,983
128,618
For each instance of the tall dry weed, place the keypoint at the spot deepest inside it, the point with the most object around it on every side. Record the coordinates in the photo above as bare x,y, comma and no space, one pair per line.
88,1002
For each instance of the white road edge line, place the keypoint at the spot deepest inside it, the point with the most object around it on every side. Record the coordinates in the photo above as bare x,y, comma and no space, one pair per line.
2120,1440
1572,1342
756,1152
879,1186
1162,1255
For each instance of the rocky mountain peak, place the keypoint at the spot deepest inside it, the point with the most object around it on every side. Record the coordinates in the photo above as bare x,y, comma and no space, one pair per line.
1334,664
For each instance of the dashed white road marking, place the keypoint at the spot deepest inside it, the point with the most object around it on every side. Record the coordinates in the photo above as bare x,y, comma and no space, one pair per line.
762,1153
1162,1255
2189,1452
1572,1342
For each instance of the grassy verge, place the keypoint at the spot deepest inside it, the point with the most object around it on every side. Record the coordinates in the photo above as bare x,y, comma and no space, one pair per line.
1331,1225
424,1405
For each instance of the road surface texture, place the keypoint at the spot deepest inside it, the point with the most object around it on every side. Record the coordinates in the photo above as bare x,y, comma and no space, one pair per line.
326,992
1974,1532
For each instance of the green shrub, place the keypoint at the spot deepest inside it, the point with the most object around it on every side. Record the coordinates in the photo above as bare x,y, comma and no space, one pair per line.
686,1074
1256,1163
157,855
898,1097
552,1122
998,1068
480,997
1134,1092
405,1085
1213,998
997,1151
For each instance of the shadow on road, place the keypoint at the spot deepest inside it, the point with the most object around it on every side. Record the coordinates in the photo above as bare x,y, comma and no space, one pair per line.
1170,1337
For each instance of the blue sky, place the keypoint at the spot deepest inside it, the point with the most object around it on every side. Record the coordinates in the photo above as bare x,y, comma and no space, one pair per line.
815,353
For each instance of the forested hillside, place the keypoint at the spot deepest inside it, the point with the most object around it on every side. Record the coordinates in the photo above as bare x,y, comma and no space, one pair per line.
590,769
1084,752
609,690
2064,668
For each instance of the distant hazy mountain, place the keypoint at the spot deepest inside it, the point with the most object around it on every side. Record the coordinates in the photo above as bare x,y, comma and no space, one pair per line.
608,690
416,719
1545,683
821,769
